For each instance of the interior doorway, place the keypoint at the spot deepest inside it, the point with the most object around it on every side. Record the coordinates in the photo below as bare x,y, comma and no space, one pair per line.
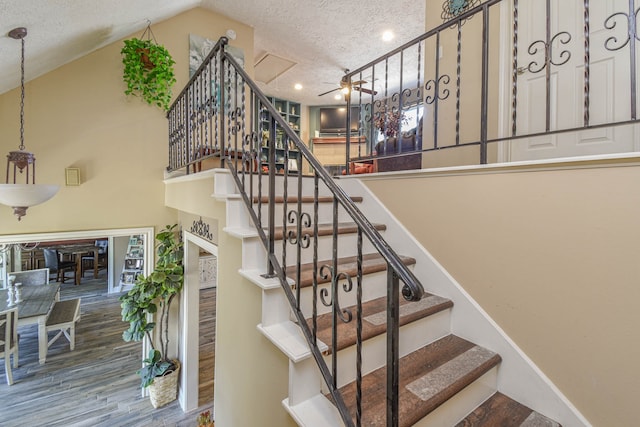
208,266
117,246
198,324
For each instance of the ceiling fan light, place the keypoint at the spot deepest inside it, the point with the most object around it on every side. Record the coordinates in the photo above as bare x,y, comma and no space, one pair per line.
345,90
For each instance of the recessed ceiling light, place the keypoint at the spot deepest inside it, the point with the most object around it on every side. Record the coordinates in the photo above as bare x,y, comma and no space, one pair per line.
338,96
387,36
297,86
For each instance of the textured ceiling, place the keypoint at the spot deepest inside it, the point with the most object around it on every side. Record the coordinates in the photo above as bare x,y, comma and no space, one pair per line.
322,36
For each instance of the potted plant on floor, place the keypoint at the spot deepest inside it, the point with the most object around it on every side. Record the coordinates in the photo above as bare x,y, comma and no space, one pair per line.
158,289
148,71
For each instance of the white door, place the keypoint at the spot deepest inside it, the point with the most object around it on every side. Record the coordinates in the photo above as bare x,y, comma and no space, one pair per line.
609,80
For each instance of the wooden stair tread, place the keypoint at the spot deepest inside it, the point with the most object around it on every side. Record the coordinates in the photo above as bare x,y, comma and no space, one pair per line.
428,377
374,319
303,199
371,263
325,229
501,410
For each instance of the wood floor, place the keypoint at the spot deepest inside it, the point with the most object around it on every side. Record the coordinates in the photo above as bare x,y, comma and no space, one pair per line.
96,384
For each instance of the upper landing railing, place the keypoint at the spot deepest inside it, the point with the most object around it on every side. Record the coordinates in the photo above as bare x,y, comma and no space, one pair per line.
506,80
222,114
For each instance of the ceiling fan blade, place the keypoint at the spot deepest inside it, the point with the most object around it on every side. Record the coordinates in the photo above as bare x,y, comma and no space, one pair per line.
332,90
358,83
365,90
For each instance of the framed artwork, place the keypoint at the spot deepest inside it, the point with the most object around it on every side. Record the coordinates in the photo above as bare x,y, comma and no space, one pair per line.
128,277
72,176
136,252
133,264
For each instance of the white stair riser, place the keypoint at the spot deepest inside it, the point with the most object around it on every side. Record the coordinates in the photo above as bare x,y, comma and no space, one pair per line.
305,380
373,286
237,214
459,406
347,246
275,307
254,256
413,336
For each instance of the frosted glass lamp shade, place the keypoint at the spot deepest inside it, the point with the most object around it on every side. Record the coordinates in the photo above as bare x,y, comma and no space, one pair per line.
22,196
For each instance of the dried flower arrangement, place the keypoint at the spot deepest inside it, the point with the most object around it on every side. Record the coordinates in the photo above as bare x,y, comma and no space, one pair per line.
388,122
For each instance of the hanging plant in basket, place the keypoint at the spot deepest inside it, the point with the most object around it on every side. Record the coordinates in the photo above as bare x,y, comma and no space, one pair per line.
148,70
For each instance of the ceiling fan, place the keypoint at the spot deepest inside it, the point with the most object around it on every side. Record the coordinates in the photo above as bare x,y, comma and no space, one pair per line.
357,85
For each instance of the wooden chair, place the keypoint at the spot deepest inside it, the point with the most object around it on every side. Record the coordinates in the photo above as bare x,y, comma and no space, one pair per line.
52,262
9,340
32,277
90,263
63,318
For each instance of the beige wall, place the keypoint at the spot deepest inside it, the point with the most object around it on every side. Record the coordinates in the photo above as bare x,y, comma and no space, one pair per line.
552,256
251,376
78,116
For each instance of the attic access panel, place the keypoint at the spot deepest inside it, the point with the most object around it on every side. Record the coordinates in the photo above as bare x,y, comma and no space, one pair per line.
270,66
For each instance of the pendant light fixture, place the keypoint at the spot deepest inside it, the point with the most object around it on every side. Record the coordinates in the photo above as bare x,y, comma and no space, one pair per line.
22,196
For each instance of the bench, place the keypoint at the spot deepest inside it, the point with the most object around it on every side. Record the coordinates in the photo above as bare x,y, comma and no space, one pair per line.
63,318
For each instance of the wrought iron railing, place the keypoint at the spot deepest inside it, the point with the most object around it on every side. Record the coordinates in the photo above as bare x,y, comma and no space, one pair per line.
222,113
507,80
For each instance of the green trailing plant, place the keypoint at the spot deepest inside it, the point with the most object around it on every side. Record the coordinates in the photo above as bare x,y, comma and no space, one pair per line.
148,71
148,293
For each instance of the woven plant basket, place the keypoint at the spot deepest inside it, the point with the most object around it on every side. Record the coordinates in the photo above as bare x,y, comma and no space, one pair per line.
164,389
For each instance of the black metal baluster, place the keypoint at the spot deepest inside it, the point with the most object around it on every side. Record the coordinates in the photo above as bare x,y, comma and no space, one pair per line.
286,220
359,332
458,76
587,63
272,195
485,85
215,89
221,106
514,72
315,258
393,352
633,36
437,91
301,239
548,67
334,294
188,153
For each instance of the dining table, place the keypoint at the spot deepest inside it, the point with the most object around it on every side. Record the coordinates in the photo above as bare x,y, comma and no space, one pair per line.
75,252
36,304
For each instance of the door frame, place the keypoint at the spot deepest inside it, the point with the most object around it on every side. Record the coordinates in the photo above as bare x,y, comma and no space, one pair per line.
189,324
147,232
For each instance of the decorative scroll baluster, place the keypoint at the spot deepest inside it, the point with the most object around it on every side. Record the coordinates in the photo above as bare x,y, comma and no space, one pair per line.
335,309
303,240
564,38
631,38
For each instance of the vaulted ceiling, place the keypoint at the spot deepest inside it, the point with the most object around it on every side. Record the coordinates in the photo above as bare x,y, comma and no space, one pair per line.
323,37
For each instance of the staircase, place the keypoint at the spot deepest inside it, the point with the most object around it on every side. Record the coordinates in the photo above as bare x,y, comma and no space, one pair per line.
456,367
